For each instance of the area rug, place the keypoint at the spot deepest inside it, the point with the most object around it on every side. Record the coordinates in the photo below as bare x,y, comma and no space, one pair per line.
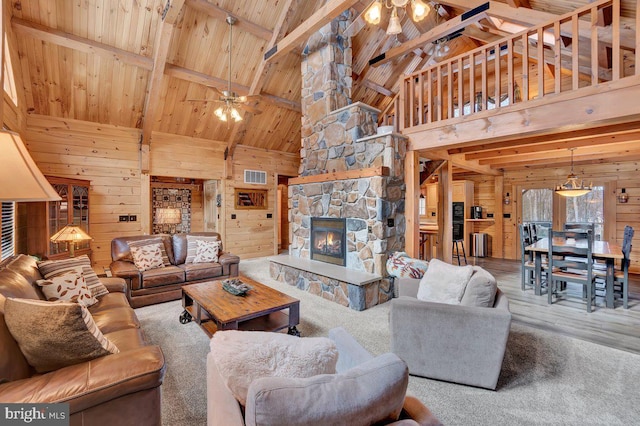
545,378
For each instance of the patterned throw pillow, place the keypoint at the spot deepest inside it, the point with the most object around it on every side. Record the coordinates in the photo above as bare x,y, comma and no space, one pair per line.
401,265
52,335
52,268
207,251
147,257
192,246
68,287
142,243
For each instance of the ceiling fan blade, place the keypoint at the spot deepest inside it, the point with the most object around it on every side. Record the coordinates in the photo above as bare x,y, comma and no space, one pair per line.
215,89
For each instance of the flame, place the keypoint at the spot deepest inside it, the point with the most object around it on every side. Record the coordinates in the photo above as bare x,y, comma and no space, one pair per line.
330,239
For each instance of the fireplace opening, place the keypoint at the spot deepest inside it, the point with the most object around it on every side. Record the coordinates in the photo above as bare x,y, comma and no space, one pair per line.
328,240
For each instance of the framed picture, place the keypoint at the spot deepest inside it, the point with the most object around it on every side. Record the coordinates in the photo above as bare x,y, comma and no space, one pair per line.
251,199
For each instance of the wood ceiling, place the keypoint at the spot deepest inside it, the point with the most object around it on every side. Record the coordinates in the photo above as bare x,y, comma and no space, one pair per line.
117,62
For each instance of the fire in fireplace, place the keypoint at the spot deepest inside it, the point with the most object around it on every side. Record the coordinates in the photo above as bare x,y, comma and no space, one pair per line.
328,240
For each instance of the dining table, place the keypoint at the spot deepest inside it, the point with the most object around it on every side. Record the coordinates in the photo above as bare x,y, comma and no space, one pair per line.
603,250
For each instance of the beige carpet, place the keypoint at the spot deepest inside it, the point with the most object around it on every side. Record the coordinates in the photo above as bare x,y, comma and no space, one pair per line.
546,378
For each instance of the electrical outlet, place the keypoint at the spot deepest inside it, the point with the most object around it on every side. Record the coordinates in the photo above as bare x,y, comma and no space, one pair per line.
233,216
133,218
123,218
269,216
391,222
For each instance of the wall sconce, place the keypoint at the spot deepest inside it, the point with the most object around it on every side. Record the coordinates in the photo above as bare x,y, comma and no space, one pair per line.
507,199
168,216
623,197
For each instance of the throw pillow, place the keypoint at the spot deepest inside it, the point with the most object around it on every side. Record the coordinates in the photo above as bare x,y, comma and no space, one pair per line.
69,287
52,268
367,394
53,335
401,265
444,283
207,251
243,356
142,243
192,245
481,289
147,257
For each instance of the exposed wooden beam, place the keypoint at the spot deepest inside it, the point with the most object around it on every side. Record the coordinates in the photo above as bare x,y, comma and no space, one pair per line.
378,88
219,13
61,38
207,80
450,26
240,129
324,15
459,160
519,3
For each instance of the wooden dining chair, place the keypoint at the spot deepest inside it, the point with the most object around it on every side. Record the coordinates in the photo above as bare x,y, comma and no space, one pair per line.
527,265
569,263
579,226
621,275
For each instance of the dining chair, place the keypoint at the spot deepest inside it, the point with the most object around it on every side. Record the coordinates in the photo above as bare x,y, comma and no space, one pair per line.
527,265
538,230
579,226
571,263
621,275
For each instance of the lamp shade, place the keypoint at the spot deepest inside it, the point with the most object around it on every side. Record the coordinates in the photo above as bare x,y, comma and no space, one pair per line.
70,233
20,178
168,216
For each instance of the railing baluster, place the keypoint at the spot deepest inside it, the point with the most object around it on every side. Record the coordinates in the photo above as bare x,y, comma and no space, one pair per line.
617,65
429,97
575,64
637,67
541,64
421,98
594,46
510,76
484,86
525,67
461,86
496,76
412,96
403,102
449,90
557,58
472,83
439,92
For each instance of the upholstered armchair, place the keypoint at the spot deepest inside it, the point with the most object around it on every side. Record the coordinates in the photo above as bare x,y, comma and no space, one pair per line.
454,343
364,390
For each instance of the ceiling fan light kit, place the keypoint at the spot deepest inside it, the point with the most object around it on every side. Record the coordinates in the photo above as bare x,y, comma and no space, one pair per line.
419,9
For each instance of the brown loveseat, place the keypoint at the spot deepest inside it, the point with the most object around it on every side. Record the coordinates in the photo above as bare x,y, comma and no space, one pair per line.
122,388
164,284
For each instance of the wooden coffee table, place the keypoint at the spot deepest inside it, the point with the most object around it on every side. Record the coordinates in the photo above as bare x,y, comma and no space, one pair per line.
260,309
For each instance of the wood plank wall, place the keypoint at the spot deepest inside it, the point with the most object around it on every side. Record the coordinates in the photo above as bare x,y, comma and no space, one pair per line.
251,233
618,175
109,156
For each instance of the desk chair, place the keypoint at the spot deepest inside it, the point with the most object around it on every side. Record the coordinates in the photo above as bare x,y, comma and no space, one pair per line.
571,264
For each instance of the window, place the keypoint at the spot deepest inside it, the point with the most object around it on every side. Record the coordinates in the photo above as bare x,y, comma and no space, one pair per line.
588,208
423,206
537,205
6,231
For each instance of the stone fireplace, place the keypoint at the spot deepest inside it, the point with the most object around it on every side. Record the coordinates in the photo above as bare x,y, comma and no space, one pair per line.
328,240
348,173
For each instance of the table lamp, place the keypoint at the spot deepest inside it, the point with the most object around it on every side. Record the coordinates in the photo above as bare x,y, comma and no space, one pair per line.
70,234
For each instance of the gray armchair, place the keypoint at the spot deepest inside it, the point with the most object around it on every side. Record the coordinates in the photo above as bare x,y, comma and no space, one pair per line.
455,343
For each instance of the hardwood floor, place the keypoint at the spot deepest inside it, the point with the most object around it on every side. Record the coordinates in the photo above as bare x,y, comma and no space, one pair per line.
617,328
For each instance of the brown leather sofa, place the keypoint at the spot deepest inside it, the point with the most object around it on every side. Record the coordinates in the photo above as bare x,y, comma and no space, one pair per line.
122,388
164,284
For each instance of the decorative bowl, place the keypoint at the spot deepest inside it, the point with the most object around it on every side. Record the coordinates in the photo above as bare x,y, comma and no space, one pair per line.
235,287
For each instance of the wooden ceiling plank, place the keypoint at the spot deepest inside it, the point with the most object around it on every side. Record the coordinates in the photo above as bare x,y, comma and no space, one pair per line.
240,129
324,15
219,13
207,80
61,38
160,52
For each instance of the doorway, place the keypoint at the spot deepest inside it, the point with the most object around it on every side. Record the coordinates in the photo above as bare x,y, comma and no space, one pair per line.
212,204
282,214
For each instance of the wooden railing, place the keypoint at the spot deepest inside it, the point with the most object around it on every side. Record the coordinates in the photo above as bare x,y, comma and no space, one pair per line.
580,49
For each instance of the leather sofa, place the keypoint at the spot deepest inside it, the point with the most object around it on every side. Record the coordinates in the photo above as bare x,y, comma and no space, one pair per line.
122,388
164,284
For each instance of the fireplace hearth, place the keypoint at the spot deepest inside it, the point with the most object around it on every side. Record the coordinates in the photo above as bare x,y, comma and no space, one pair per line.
328,240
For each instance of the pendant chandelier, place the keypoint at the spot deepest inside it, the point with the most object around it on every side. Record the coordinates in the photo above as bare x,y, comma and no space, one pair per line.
228,110
571,188
419,9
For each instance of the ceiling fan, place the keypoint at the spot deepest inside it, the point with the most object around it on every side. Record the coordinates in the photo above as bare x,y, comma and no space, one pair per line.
229,99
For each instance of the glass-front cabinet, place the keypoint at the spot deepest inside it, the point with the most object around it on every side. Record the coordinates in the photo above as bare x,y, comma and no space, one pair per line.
44,219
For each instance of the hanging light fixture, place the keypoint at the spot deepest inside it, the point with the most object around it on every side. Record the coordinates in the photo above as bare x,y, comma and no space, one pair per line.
228,111
571,188
419,9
